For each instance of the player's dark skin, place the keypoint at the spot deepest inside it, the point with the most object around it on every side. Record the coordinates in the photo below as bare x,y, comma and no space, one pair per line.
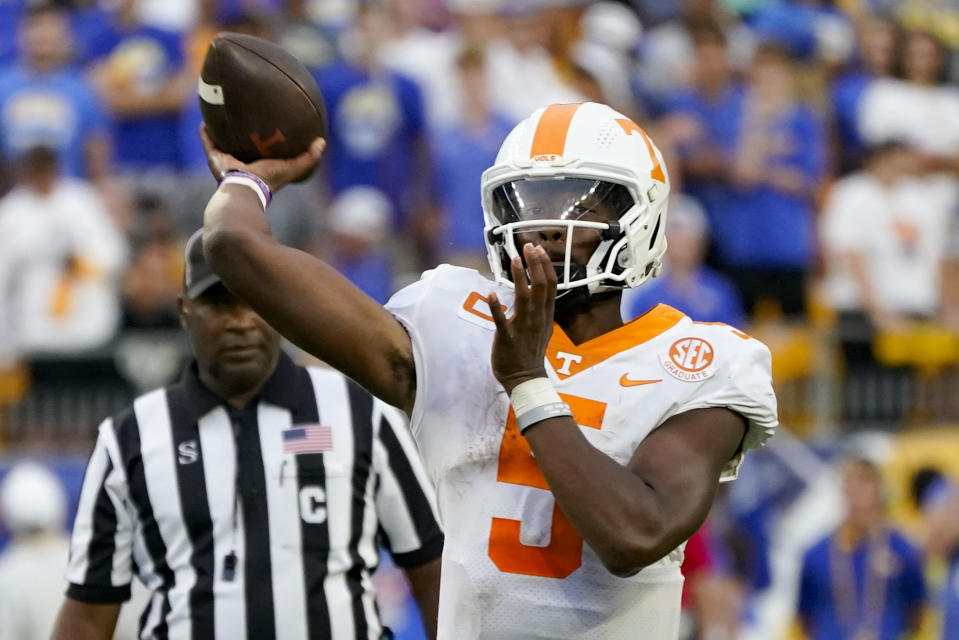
630,516
236,352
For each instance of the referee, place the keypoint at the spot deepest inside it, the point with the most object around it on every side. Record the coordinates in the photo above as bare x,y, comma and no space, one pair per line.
249,497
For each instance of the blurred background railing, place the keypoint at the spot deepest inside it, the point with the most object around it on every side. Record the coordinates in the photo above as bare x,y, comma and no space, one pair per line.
61,399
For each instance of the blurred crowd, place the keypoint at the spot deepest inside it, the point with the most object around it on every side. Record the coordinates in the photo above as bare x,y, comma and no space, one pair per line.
813,150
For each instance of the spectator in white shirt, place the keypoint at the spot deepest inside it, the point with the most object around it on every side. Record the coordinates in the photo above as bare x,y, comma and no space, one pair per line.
921,109
60,258
885,232
33,508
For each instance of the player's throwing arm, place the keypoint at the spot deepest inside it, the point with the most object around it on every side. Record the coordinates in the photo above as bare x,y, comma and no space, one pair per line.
306,300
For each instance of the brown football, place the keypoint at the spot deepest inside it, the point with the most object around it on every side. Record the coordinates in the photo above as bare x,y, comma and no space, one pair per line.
257,100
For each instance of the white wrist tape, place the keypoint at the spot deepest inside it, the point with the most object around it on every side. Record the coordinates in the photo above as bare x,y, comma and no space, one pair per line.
536,400
247,182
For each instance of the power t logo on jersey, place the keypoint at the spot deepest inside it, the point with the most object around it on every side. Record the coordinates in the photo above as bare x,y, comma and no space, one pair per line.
567,359
690,359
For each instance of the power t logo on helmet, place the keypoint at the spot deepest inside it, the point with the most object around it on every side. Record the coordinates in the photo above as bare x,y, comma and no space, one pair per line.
579,173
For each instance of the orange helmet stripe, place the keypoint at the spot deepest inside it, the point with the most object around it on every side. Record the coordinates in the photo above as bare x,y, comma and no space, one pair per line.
550,136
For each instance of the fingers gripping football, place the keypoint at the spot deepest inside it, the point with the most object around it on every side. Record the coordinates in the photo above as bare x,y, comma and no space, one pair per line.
274,172
519,347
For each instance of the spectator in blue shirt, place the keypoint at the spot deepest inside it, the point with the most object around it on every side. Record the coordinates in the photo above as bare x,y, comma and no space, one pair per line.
702,122
800,26
359,219
865,580
10,11
45,103
765,233
877,56
463,150
686,283
91,24
377,133
140,74
229,11
942,523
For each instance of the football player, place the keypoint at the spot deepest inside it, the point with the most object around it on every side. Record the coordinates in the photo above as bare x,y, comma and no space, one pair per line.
573,454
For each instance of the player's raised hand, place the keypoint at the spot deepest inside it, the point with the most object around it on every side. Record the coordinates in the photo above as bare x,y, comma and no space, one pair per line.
519,347
274,172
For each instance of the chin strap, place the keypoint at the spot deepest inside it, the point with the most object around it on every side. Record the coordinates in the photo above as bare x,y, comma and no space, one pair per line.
576,272
575,300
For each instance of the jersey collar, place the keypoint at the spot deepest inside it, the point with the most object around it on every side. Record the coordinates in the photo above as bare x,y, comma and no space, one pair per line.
568,359
280,389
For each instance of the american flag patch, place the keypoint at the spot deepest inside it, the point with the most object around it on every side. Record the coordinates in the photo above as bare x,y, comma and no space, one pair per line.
308,438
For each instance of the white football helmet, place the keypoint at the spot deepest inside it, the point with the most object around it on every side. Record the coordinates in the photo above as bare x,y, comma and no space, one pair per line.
579,168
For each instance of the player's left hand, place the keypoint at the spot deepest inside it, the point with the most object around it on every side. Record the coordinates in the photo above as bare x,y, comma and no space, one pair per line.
519,348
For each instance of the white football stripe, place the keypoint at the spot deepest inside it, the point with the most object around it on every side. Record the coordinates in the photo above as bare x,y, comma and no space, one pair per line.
209,93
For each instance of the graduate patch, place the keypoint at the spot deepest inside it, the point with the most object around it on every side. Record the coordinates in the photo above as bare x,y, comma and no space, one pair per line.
689,359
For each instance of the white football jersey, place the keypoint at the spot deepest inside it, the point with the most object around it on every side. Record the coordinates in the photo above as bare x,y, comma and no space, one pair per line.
513,566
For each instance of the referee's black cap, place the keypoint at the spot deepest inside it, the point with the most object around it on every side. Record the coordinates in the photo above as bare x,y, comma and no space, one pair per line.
198,276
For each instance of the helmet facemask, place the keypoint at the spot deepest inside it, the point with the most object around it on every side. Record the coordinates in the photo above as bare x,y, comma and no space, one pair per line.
574,210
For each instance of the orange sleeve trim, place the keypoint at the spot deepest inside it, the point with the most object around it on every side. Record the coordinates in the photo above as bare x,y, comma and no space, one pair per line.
475,300
736,332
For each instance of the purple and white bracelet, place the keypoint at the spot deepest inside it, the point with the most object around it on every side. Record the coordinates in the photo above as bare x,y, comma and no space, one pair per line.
262,190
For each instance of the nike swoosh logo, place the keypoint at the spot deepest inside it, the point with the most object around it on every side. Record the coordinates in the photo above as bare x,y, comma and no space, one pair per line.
626,382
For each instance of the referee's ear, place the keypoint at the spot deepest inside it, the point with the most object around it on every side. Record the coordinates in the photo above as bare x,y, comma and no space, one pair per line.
182,310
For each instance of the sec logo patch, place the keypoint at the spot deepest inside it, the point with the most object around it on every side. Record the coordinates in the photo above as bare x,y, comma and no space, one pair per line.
690,359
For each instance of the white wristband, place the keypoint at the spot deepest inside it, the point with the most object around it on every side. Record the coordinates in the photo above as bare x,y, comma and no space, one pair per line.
536,400
540,413
246,182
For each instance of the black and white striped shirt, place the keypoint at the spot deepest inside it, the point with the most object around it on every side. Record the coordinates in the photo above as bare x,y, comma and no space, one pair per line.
179,485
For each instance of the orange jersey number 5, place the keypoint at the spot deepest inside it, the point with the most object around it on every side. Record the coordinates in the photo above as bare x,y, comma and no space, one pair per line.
564,553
